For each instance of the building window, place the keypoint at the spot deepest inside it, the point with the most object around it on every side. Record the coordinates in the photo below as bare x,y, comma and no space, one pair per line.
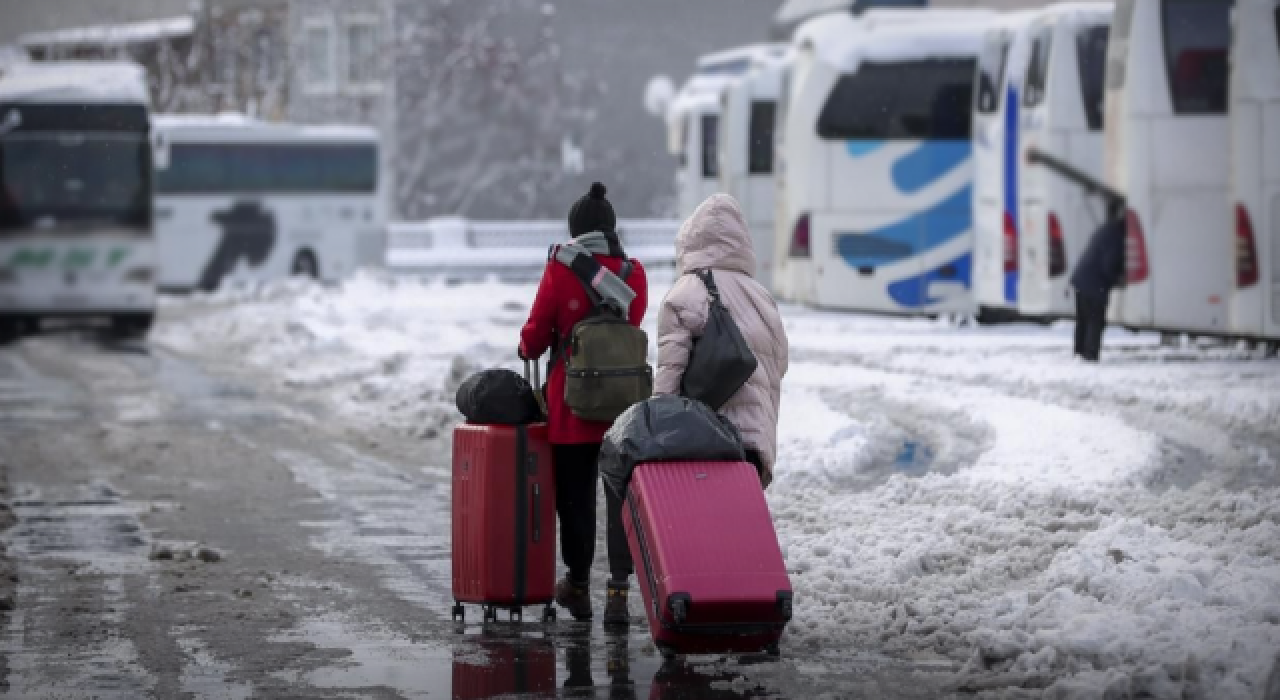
317,55
362,52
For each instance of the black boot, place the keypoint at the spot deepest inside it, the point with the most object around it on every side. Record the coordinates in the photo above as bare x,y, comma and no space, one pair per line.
616,612
574,598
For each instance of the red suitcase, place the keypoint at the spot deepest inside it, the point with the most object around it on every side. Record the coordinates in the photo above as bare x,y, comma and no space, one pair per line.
504,544
707,558
525,668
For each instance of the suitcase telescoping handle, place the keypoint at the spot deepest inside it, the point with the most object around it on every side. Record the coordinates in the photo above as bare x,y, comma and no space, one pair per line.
531,375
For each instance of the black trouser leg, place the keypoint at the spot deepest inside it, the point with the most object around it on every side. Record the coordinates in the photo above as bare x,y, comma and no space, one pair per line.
620,565
1082,323
1099,324
1091,321
576,473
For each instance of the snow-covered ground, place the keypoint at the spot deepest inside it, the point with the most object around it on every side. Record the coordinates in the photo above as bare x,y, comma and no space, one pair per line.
959,494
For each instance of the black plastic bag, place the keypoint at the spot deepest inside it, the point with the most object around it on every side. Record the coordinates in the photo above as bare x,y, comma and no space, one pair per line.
498,397
721,361
665,429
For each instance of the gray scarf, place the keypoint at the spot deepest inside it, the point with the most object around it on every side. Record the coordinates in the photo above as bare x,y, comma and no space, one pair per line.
612,290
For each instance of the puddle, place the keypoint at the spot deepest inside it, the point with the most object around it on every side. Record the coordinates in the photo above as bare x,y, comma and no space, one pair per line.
374,658
524,661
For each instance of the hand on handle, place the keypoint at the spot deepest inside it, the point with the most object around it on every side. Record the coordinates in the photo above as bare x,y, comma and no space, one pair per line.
531,373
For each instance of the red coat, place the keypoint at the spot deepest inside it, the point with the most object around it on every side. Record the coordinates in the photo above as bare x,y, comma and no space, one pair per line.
560,304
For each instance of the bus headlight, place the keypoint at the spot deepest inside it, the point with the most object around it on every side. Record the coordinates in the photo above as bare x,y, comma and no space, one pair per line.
140,275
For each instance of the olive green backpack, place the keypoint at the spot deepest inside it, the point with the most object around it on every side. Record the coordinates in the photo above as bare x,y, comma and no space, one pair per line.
605,357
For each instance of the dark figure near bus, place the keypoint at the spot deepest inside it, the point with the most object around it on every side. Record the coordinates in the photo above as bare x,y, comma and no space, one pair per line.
1101,267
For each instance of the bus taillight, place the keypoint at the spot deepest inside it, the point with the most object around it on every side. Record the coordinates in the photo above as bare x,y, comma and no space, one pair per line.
800,242
1057,248
1246,251
1135,250
1010,244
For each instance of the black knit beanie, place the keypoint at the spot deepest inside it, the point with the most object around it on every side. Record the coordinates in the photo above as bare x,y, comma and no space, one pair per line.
592,213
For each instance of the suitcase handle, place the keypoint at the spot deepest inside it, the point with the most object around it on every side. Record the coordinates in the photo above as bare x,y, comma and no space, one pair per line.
537,513
531,375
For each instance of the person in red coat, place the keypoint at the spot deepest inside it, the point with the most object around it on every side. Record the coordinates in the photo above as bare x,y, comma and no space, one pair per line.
561,303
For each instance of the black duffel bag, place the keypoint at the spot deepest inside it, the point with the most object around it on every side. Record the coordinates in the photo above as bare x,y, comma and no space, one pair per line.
665,429
499,397
721,361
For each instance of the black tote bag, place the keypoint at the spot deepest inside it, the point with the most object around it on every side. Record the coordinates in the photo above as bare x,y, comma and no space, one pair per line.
721,361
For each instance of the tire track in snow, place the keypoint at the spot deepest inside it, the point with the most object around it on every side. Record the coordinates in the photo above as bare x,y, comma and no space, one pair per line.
1225,450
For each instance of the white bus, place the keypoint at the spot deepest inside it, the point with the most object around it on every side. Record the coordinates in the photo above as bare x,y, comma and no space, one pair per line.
693,122
879,170
239,199
997,101
749,108
1255,168
1062,109
75,196
1166,136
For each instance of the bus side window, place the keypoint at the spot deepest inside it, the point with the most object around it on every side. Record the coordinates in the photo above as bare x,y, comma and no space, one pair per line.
1091,54
761,146
710,140
1033,93
1196,36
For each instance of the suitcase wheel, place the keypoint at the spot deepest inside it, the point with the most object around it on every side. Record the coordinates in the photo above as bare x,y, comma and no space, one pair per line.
459,612
549,613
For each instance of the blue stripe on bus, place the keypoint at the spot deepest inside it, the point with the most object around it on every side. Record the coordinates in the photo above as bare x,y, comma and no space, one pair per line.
929,163
913,235
858,149
1011,106
913,292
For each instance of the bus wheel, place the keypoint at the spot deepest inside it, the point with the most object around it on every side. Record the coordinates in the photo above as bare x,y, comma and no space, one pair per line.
305,265
132,325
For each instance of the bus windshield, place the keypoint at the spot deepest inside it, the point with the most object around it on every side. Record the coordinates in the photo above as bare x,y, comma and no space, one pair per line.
917,100
991,65
78,181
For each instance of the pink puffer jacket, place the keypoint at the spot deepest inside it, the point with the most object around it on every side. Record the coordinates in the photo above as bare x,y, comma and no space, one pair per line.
716,237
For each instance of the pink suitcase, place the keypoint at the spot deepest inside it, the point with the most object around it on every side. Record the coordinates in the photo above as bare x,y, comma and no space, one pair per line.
707,558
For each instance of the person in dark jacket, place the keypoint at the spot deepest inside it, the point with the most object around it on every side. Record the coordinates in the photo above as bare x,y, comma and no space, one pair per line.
1101,267
560,304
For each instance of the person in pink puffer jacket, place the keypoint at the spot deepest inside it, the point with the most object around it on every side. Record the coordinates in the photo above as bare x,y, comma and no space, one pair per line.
716,238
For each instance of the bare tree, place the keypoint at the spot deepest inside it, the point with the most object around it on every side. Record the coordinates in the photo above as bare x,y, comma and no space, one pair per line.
485,110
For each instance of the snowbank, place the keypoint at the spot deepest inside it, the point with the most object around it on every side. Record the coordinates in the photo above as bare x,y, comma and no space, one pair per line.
970,496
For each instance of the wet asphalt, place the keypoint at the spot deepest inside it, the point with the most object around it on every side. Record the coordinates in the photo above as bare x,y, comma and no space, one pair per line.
177,528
